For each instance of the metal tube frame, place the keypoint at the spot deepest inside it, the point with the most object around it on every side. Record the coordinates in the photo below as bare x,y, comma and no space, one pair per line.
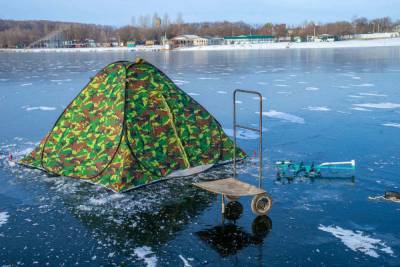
235,125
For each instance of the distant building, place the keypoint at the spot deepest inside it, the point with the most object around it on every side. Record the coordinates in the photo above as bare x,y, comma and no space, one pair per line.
378,35
114,42
150,42
249,39
188,40
215,40
200,41
131,44
322,38
297,39
284,39
165,42
89,43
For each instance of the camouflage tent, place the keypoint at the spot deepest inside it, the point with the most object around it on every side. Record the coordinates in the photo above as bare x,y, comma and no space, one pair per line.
131,125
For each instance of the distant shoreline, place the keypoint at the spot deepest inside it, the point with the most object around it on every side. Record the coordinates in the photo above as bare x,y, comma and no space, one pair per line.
304,45
393,42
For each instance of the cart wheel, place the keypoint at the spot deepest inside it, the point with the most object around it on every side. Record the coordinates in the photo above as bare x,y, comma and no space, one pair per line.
232,198
233,210
261,204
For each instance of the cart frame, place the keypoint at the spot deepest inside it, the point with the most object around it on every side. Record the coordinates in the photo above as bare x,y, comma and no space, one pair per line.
259,130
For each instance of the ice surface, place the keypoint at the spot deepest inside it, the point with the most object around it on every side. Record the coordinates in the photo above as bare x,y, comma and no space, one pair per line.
358,241
283,116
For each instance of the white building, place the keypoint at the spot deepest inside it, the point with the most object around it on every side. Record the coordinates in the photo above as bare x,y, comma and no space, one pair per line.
378,35
188,40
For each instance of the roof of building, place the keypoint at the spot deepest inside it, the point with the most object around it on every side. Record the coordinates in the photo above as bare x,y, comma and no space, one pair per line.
241,37
187,37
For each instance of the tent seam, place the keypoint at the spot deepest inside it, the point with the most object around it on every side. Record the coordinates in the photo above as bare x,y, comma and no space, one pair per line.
171,117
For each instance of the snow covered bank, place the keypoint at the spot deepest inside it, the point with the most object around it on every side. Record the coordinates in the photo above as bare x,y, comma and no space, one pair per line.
265,46
86,49
286,45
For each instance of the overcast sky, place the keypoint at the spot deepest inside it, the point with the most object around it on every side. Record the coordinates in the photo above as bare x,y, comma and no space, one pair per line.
120,12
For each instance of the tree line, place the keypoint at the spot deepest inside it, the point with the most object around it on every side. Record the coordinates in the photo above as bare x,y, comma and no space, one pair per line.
22,33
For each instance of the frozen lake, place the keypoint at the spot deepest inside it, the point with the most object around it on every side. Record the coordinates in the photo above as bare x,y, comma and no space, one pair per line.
320,105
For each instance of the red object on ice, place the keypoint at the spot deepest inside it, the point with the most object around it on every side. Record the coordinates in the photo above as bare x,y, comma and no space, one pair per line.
255,153
10,157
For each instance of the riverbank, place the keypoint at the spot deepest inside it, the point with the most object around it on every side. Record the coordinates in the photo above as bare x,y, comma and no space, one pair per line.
265,46
86,49
287,45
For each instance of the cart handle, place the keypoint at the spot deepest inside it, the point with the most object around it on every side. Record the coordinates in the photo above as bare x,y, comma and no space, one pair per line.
259,130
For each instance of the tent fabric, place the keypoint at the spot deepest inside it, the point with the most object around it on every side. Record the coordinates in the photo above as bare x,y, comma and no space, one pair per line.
130,126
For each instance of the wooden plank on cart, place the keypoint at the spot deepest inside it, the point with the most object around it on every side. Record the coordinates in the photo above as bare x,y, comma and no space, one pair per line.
231,187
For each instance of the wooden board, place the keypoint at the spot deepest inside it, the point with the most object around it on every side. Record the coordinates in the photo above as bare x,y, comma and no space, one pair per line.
231,187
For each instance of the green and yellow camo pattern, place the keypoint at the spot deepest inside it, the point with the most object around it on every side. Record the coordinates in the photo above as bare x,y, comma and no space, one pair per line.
131,125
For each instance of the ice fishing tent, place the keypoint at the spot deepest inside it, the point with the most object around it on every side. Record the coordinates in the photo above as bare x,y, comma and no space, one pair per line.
131,125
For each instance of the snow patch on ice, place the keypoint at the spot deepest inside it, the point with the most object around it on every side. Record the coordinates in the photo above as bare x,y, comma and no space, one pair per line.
358,241
180,82
185,261
310,88
355,96
392,124
144,253
318,108
242,134
208,78
222,92
3,218
258,98
98,201
361,109
283,116
193,94
385,105
372,94
23,152
43,108
363,85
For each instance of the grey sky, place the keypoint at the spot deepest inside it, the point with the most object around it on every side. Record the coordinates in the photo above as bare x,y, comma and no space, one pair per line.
120,12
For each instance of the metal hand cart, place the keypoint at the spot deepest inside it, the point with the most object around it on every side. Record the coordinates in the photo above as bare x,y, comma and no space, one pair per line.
232,188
